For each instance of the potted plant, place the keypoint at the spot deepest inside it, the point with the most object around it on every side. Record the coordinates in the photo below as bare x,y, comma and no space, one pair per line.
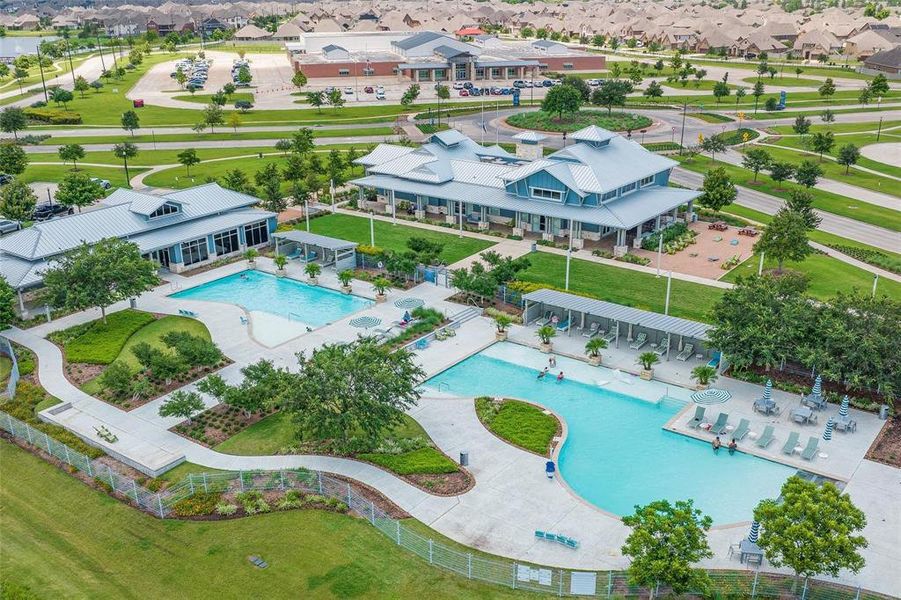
647,360
381,285
280,262
593,348
251,256
313,270
345,277
545,333
502,322
704,375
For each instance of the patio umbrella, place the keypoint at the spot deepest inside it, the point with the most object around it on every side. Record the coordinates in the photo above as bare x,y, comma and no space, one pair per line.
408,303
827,433
817,387
843,409
754,533
710,396
365,322
768,390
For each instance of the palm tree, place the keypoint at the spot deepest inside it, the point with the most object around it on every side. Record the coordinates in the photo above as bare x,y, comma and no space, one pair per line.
502,322
545,333
381,285
312,270
251,254
280,261
593,347
345,277
647,360
704,375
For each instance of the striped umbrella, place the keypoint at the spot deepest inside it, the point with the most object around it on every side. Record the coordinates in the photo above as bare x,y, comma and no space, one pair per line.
710,396
754,533
365,322
408,302
843,409
768,390
817,387
827,433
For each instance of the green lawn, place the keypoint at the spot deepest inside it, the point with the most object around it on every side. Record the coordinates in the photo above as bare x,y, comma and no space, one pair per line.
777,114
786,81
100,343
266,436
542,121
827,201
623,286
207,98
222,134
394,237
103,549
862,127
57,171
424,461
712,117
520,423
836,171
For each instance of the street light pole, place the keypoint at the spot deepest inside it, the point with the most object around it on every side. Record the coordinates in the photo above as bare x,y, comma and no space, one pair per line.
41,69
371,229
659,252
682,133
569,254
306,212
879,130
875,281
669,285
760,266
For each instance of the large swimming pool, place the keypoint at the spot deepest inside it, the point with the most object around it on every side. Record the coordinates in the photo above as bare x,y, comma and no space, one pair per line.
294,304
616,453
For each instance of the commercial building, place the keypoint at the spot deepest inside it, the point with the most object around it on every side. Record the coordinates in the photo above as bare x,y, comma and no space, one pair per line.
432,56
602,189
181,230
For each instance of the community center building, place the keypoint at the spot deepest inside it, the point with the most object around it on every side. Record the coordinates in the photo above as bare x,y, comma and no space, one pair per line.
181,230
601,188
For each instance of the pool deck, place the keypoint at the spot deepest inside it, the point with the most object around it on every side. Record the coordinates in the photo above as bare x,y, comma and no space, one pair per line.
512,496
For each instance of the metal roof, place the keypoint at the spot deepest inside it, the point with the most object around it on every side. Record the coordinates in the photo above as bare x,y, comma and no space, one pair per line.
417,40
383,153
166,237
449,137
593,133
448,52
618,312
314,239
530,136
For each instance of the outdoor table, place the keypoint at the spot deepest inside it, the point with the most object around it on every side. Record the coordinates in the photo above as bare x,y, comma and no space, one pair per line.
802,412
750,551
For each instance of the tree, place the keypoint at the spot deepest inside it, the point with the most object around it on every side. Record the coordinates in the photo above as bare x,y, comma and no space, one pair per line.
827,116
181,78
757,92
125,151
713,145
13,159
302,141
261,387
755,160
213,115
182,404
665,542
7,304
299,80
219,98
283,146
654,90
130,121
719,191
61,96
71,152
13,120
781,171
410,95
801,202
442,92
611,93
98,275
562,99
822,142
233,121
785,238
188,158
720,90
848,155
739,94
316,100
827,89
358,389
17,201
812,529
237,180
81,85
879,85
798,71
243,105
244,76
801,125
335,98
228,89
77,189
807,173
270,184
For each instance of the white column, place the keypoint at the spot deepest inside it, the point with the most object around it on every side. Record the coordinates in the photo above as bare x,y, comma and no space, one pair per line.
393,209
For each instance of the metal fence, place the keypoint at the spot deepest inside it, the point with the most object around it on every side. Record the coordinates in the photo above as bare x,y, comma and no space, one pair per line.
6,349
458,559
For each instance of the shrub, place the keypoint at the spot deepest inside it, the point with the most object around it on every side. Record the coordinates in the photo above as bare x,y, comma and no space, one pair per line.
226,510
291,499
98,342
370,250
492,312
602,253
634,259
53,116
422,461
873,257
103,485
199,504
193,349
671,233
253,502
117,380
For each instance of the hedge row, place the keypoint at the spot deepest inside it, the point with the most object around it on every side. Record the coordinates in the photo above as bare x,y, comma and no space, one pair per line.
53,116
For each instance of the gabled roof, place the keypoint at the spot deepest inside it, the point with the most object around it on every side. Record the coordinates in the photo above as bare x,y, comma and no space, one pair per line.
530,137
448,52
449,137
417,40
886,58
593,133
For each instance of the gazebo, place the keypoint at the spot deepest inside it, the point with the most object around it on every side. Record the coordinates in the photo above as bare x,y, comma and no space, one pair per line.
312,247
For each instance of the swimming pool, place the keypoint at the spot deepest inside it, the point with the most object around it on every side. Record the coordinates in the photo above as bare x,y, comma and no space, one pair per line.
264,295
616,453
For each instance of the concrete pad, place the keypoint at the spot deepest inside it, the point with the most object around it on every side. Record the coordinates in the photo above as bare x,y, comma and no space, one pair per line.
888,153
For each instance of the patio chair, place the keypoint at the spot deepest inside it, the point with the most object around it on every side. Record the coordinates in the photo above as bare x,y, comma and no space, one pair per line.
742,430
696,421
422,344
660,350
563,325
814,402
845,424
766,438
686,352
720,425
639,341
608,337
243,320
811,450
548,314
593,330
294,255
715,361
789,446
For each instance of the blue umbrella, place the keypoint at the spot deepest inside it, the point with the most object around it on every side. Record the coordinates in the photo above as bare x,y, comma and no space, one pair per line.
817,390
843,409
827,433
768,390
754,533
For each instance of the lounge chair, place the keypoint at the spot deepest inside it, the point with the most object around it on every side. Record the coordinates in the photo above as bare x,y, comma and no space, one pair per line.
811,450
789,446
422,344
563,326
548,315
639,341
593,330
243,320
742,430
686,352
294,255
660,350
720,426
608,337
715,361
698,418
188,313
766,438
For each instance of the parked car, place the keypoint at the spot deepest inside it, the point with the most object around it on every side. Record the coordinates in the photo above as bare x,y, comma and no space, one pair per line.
104,183
593,82
380,95
464,92
547,83
348,90
468,85
328,90
458,85
475,92
42,212
519,83
368,89
9,226
4,178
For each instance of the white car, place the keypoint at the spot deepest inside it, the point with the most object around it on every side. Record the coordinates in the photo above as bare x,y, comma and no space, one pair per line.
458,85
380,95
593,82
380,89
348,90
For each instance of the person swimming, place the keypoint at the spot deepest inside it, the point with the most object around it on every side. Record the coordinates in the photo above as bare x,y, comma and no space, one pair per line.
560,377
733,446
541,374
716,444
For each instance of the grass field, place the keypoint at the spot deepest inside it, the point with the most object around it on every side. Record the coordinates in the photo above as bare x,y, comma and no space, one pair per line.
837,128
542,121
394,237
623,286
520,423
57,171
786,81
827,201
64,540
222,134
207,98
776,114
101,343
836,171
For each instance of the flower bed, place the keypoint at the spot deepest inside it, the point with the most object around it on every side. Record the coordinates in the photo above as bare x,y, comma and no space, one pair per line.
520,423
542,121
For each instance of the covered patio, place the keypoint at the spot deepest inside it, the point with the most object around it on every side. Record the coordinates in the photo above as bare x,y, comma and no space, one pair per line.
311,247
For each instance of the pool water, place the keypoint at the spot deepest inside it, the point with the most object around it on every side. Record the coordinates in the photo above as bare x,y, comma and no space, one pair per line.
287,298
616,454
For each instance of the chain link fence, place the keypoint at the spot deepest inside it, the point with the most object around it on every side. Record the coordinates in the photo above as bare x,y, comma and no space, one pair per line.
6,349
472,565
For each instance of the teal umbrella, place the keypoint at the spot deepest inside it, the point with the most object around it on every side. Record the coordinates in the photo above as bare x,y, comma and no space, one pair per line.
827,433
843,409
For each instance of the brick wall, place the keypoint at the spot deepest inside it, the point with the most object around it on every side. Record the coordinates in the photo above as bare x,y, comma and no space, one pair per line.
333,69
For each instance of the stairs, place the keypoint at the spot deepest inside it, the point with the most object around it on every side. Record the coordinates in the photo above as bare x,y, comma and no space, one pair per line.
467,314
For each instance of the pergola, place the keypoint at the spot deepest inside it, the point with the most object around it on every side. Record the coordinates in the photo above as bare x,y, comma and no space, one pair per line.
312,247
588,310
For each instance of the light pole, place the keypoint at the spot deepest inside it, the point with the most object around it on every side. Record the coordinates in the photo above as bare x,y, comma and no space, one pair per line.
306,212
371,229
669,285
659,252
875,281
760,266
569,254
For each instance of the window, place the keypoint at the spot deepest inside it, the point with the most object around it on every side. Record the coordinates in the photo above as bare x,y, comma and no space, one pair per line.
395,71
256,234
226,242
546,194
367,71
343,72
567,66
608,196
194,252
646,181
628,188
165,209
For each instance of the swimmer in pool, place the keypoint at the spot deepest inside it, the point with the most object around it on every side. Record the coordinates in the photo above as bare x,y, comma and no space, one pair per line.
541,374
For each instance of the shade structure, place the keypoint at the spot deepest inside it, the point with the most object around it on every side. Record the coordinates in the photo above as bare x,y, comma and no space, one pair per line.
827,433
768,390
365,322
817,390
843,409
754,533
711,396
408,302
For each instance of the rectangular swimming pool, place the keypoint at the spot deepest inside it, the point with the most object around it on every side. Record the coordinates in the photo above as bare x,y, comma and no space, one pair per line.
616,453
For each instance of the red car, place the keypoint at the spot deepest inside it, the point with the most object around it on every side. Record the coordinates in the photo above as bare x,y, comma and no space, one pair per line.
464,92
368,89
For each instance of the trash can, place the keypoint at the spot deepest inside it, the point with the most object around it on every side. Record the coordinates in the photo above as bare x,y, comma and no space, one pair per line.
534,247
464,458
883,412
132,302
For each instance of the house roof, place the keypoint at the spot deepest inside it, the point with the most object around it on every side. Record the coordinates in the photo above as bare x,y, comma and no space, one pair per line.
417,40
251,31
886,58
306,237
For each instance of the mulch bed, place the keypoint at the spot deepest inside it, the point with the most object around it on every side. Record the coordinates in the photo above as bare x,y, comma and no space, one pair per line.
800,376
215,425
213,265
886,448
442,484
512,309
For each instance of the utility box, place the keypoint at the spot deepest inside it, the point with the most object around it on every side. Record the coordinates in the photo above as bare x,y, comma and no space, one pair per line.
464,458
138,103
